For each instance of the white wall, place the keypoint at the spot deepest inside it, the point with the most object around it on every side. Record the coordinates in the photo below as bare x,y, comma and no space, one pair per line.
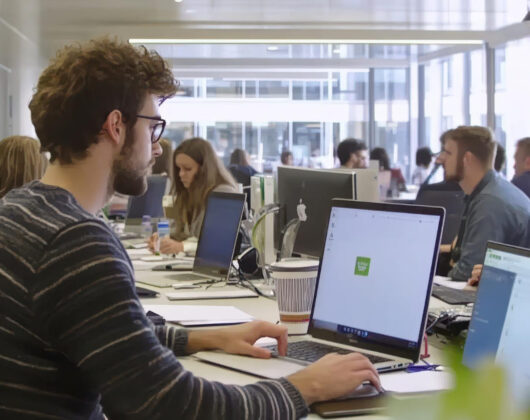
21,63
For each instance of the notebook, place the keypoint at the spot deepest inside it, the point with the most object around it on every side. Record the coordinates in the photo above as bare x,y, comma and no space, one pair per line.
499,328
372,295
216,245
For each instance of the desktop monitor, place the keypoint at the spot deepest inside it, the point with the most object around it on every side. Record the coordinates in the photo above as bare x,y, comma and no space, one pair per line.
499,328
308,193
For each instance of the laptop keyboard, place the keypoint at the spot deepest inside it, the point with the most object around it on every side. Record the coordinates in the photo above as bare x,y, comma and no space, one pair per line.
453,296
311,351
188,276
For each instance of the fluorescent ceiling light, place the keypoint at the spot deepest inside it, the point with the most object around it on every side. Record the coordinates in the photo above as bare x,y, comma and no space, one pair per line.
336,51
306,41
272,48
178,1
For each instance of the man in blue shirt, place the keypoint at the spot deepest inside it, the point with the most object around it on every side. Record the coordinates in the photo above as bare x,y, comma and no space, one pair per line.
522,166
494,208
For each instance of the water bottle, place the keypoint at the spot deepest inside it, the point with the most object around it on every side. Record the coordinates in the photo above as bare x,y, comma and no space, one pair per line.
163,231
147,228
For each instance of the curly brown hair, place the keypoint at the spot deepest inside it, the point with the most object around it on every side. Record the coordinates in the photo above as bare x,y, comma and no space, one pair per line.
84,83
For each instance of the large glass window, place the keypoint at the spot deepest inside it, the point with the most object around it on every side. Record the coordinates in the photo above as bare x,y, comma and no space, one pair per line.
266,140
392,118
221,88
477,97
273,89
513,91
307,142
179,131
225,137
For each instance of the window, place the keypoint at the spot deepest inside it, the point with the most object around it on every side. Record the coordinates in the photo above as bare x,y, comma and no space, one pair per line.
224,88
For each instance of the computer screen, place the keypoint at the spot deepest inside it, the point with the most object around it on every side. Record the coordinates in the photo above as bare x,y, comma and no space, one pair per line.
218,236
499,329
150,203
308,192
376,272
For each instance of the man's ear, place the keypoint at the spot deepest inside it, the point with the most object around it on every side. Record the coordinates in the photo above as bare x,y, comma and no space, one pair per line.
114,127
467,158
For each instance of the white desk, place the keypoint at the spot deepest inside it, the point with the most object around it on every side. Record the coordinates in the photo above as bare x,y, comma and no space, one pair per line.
260,308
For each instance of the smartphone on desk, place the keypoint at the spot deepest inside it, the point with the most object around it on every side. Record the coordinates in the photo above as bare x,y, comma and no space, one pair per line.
365,401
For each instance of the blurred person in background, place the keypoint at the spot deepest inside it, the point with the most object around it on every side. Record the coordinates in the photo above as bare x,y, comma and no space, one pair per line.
287,158
352,154
521,166
21,161
423,162
196,172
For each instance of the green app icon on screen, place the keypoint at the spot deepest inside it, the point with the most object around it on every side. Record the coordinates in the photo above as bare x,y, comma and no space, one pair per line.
362,266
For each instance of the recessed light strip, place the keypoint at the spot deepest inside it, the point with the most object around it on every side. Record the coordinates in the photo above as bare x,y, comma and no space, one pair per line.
306,41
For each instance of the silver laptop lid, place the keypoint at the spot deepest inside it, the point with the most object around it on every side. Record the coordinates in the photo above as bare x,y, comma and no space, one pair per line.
375,276
499,328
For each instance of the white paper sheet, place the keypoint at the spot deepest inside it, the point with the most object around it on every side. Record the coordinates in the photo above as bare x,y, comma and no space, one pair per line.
425,381
200,314
215,294
447,282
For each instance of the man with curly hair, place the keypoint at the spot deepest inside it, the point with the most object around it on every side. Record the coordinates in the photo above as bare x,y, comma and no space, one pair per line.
74,340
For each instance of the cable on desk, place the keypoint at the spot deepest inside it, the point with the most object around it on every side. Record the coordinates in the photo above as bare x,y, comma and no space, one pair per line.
244,282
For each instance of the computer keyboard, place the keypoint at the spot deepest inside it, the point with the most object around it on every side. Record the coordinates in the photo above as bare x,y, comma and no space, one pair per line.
453,296
311,351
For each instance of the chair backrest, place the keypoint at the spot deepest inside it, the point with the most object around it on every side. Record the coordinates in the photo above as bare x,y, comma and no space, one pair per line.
452,202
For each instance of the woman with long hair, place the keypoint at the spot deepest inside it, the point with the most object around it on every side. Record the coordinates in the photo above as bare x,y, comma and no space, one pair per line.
21,161
196,172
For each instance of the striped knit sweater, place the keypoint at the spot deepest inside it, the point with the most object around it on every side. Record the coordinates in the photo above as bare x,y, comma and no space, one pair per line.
74,340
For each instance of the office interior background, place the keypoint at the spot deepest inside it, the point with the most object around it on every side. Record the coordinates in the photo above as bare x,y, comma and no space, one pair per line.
268,75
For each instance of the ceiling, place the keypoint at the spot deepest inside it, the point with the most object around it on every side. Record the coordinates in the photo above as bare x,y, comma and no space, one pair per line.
50,24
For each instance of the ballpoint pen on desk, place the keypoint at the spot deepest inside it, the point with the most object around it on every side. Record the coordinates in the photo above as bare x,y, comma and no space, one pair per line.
426,366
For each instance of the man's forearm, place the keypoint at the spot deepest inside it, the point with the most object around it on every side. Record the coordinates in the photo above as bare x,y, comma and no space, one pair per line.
203,340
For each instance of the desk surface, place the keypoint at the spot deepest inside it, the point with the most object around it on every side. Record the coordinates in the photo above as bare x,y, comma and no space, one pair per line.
260,308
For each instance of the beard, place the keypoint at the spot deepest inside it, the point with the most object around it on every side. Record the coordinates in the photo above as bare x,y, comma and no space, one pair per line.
128,179
458,175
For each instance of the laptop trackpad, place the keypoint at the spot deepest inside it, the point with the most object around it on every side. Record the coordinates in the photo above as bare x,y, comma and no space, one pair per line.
272,368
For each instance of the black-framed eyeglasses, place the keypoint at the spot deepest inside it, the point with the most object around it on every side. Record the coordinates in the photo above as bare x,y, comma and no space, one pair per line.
158,129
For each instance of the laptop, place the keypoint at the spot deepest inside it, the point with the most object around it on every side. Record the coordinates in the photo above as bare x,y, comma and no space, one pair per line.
372,295
150,203
216,245
499,328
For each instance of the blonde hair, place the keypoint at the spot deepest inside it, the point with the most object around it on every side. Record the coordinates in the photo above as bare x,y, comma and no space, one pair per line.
21,161
189,203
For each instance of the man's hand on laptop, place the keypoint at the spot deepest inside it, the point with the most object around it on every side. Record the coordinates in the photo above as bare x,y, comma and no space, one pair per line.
334,376
239,339
475,275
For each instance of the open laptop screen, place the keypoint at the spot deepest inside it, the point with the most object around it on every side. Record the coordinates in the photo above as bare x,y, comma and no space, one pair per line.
218,234
376,273
499,328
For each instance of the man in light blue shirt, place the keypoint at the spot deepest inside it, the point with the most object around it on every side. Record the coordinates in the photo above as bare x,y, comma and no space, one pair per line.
494,210
521,166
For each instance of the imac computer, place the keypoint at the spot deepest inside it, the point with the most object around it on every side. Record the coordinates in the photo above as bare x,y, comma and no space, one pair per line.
307,194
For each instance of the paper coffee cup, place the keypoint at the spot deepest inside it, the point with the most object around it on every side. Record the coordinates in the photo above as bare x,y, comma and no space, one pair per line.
295,281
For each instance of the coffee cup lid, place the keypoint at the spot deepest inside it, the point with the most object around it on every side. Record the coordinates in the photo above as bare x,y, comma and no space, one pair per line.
295,265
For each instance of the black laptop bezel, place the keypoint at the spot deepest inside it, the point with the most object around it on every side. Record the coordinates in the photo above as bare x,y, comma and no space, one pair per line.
209,271
512,249
360,342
